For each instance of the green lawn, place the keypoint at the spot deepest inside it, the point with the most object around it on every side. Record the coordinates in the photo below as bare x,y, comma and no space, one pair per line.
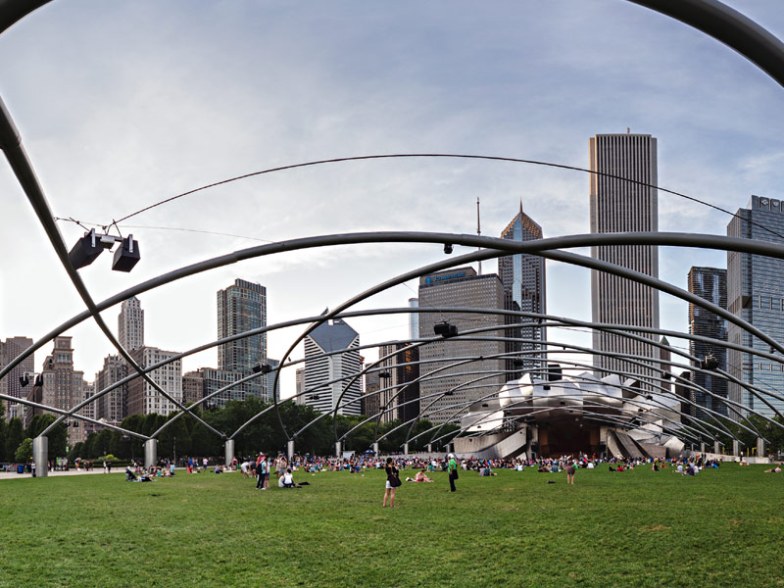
723,528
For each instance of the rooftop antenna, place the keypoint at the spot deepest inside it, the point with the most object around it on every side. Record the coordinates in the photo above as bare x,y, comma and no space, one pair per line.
478,231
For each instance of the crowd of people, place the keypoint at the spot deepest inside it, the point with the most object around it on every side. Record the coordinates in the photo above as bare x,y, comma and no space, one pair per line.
262,467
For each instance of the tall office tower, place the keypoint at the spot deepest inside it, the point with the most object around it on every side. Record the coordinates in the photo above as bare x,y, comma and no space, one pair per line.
242,307
413,319
399,398
12,348
299,385
371,400
332,364
111,406
60,389
523,276
273,390
709,283
131,324
192,387
447,389
143,398
78,430
620,203
755,293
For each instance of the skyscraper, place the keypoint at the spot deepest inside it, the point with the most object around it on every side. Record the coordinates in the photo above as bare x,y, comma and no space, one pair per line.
332,361
523,276
755,293
242,307
9,350
143,398
451,389
709,283
619,202
399,398
131,324
112,406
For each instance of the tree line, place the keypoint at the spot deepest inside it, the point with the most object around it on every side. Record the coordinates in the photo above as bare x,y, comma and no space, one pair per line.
186,436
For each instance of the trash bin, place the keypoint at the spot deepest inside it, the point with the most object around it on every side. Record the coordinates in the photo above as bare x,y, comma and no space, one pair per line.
20,468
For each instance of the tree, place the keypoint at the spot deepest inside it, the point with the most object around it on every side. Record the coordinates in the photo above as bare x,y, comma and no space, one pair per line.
57,438
24,452
100,445
14,436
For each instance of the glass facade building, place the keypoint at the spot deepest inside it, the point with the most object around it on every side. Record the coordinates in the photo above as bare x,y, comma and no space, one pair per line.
242,307
755,293
709,283
523,277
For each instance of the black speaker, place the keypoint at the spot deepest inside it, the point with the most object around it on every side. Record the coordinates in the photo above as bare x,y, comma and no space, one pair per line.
554,372
127,255
85,251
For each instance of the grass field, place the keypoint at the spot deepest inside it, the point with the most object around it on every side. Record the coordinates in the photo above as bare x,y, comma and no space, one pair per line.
722,528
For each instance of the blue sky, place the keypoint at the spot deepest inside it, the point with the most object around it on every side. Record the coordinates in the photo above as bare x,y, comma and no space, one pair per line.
122,104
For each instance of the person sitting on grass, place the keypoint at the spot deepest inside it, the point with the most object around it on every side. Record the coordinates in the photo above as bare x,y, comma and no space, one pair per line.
421,476
287,480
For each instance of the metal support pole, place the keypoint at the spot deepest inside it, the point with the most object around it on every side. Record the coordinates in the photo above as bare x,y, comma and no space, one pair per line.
760,447
290,449
41,456
702,447
735,447
429,448
716,447
338,449
229,452
375,448
150,453
405,449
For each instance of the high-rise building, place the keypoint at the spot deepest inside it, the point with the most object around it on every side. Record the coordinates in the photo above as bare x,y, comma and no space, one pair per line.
755,293
523,277
332,367
143,398
623,199
372,399
192,387
9,350
399,396
62,385
413,319
112,406
709,283
131,324
299,385
62,388
242,307
79,430
273,390
447,388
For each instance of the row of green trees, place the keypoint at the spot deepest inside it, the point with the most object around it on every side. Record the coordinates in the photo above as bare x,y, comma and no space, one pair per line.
186,436
16,442
748,433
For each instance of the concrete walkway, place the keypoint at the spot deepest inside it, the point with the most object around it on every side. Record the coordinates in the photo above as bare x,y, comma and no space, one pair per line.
71,472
